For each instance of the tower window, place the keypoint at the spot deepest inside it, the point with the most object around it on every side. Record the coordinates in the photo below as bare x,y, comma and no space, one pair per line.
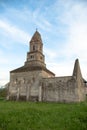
32,56
41,57
33,48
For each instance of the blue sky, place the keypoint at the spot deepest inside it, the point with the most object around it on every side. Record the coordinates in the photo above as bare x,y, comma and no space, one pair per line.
62,25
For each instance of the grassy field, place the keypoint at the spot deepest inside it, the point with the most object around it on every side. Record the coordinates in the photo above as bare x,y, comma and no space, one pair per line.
42,116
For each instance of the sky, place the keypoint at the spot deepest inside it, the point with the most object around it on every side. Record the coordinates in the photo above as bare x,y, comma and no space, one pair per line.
63,28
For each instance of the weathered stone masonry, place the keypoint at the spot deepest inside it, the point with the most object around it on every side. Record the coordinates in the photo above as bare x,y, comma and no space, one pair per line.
34,82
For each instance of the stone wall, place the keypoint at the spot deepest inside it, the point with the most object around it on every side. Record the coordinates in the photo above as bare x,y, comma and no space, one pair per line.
85,90
25,85
33,86
60,89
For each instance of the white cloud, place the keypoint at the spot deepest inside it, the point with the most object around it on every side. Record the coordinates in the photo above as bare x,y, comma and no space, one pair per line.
4,78
13,32
77,31
74,16
50,53
26,15
62,68
40,20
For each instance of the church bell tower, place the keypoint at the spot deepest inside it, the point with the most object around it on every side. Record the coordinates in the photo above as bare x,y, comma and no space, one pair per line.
35,56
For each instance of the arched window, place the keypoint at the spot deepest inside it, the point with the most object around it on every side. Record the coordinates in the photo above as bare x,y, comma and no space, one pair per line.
33,47
32,56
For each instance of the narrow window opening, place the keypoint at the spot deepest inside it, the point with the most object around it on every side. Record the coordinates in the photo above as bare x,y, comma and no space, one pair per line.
33,48
41,57
32,56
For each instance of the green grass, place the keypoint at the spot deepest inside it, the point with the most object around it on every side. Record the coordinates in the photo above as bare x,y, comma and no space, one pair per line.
42,116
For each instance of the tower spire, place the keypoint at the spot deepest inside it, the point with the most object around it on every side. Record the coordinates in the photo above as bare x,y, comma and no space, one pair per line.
36,29
36,37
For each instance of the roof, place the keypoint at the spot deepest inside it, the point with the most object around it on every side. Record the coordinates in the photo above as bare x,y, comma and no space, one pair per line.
36,37
31,68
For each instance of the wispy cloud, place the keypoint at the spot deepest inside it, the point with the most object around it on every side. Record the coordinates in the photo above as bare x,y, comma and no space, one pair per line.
28,16
13,32
75,45
76,21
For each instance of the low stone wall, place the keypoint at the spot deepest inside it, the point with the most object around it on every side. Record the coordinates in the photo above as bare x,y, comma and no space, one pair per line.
60,89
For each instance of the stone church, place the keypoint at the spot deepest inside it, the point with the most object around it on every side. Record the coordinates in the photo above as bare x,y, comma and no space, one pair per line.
34,82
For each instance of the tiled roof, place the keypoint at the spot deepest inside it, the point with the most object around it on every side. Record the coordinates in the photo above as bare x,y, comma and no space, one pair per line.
31,68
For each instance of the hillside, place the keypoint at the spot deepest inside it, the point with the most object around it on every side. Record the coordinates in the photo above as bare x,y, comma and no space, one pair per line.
42,116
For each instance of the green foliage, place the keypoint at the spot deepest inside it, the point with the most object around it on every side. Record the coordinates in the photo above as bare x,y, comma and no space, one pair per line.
42,116
3,93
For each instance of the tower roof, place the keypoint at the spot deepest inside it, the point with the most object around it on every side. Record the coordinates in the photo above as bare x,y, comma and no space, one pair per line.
77,70
31,68
36,37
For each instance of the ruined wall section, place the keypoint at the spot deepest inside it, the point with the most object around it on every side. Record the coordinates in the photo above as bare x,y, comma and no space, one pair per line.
79,79
81,88
60,89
